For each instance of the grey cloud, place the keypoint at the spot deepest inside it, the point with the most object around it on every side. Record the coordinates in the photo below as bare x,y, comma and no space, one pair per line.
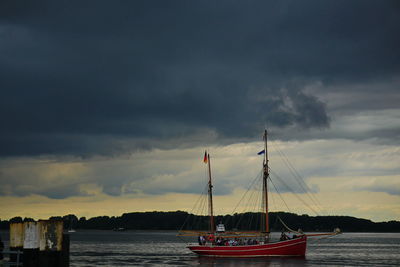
83,78
390,187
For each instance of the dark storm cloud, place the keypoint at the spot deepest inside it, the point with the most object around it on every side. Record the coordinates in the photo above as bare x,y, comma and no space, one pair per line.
99,77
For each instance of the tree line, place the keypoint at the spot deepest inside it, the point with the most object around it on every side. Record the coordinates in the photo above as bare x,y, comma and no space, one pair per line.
180,220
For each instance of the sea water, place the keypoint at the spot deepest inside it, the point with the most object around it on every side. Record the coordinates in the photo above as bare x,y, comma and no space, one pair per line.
161,248
148,248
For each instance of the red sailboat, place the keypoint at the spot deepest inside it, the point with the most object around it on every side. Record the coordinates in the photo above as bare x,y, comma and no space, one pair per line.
293,247
220,243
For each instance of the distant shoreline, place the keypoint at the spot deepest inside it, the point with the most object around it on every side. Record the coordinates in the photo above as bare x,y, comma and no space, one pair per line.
175,220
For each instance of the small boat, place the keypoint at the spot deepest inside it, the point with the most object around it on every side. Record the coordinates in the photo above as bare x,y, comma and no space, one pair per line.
216,242
119,229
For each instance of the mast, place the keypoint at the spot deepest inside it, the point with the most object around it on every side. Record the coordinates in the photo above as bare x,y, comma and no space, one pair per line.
210,200
265,183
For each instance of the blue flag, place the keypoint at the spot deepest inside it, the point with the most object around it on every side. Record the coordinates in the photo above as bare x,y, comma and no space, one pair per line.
261,152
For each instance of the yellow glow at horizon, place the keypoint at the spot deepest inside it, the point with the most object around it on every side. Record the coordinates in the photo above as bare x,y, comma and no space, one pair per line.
358,204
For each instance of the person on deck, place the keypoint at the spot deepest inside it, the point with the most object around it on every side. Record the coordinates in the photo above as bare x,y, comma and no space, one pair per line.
290,235
211,238
283,236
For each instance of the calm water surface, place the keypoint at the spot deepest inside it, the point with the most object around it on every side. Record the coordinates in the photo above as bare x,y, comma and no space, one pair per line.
107,248
102,248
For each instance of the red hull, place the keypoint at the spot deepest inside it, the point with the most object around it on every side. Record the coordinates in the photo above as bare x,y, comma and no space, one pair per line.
293,247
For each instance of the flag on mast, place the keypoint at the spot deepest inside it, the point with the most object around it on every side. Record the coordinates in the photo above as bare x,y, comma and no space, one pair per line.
205,157
261,152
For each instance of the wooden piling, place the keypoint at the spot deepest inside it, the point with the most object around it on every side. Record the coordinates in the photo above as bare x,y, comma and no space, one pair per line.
64,259
31,244
50,243
43,244
16,240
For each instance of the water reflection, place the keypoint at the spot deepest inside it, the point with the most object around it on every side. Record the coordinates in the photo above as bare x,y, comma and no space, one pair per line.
256,262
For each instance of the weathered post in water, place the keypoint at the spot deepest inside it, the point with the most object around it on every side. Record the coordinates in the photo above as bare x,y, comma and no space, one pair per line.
42,243
31,244
50,243
64,259
16,241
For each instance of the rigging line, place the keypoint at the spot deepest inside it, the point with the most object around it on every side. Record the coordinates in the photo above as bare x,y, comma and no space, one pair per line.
272,197
198,221
291,191
197,202
313,199
291,168
287,227
259,208
319,239
205,207
299,179
201,206
247,191
245,209
255,203
254,194
250,221
253,200
202,201
279,194
281,180
309,195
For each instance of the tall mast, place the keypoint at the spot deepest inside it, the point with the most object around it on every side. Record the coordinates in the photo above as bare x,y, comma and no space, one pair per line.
210,200
265,182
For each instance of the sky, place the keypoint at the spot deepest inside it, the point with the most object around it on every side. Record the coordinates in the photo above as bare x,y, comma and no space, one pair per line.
107,106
